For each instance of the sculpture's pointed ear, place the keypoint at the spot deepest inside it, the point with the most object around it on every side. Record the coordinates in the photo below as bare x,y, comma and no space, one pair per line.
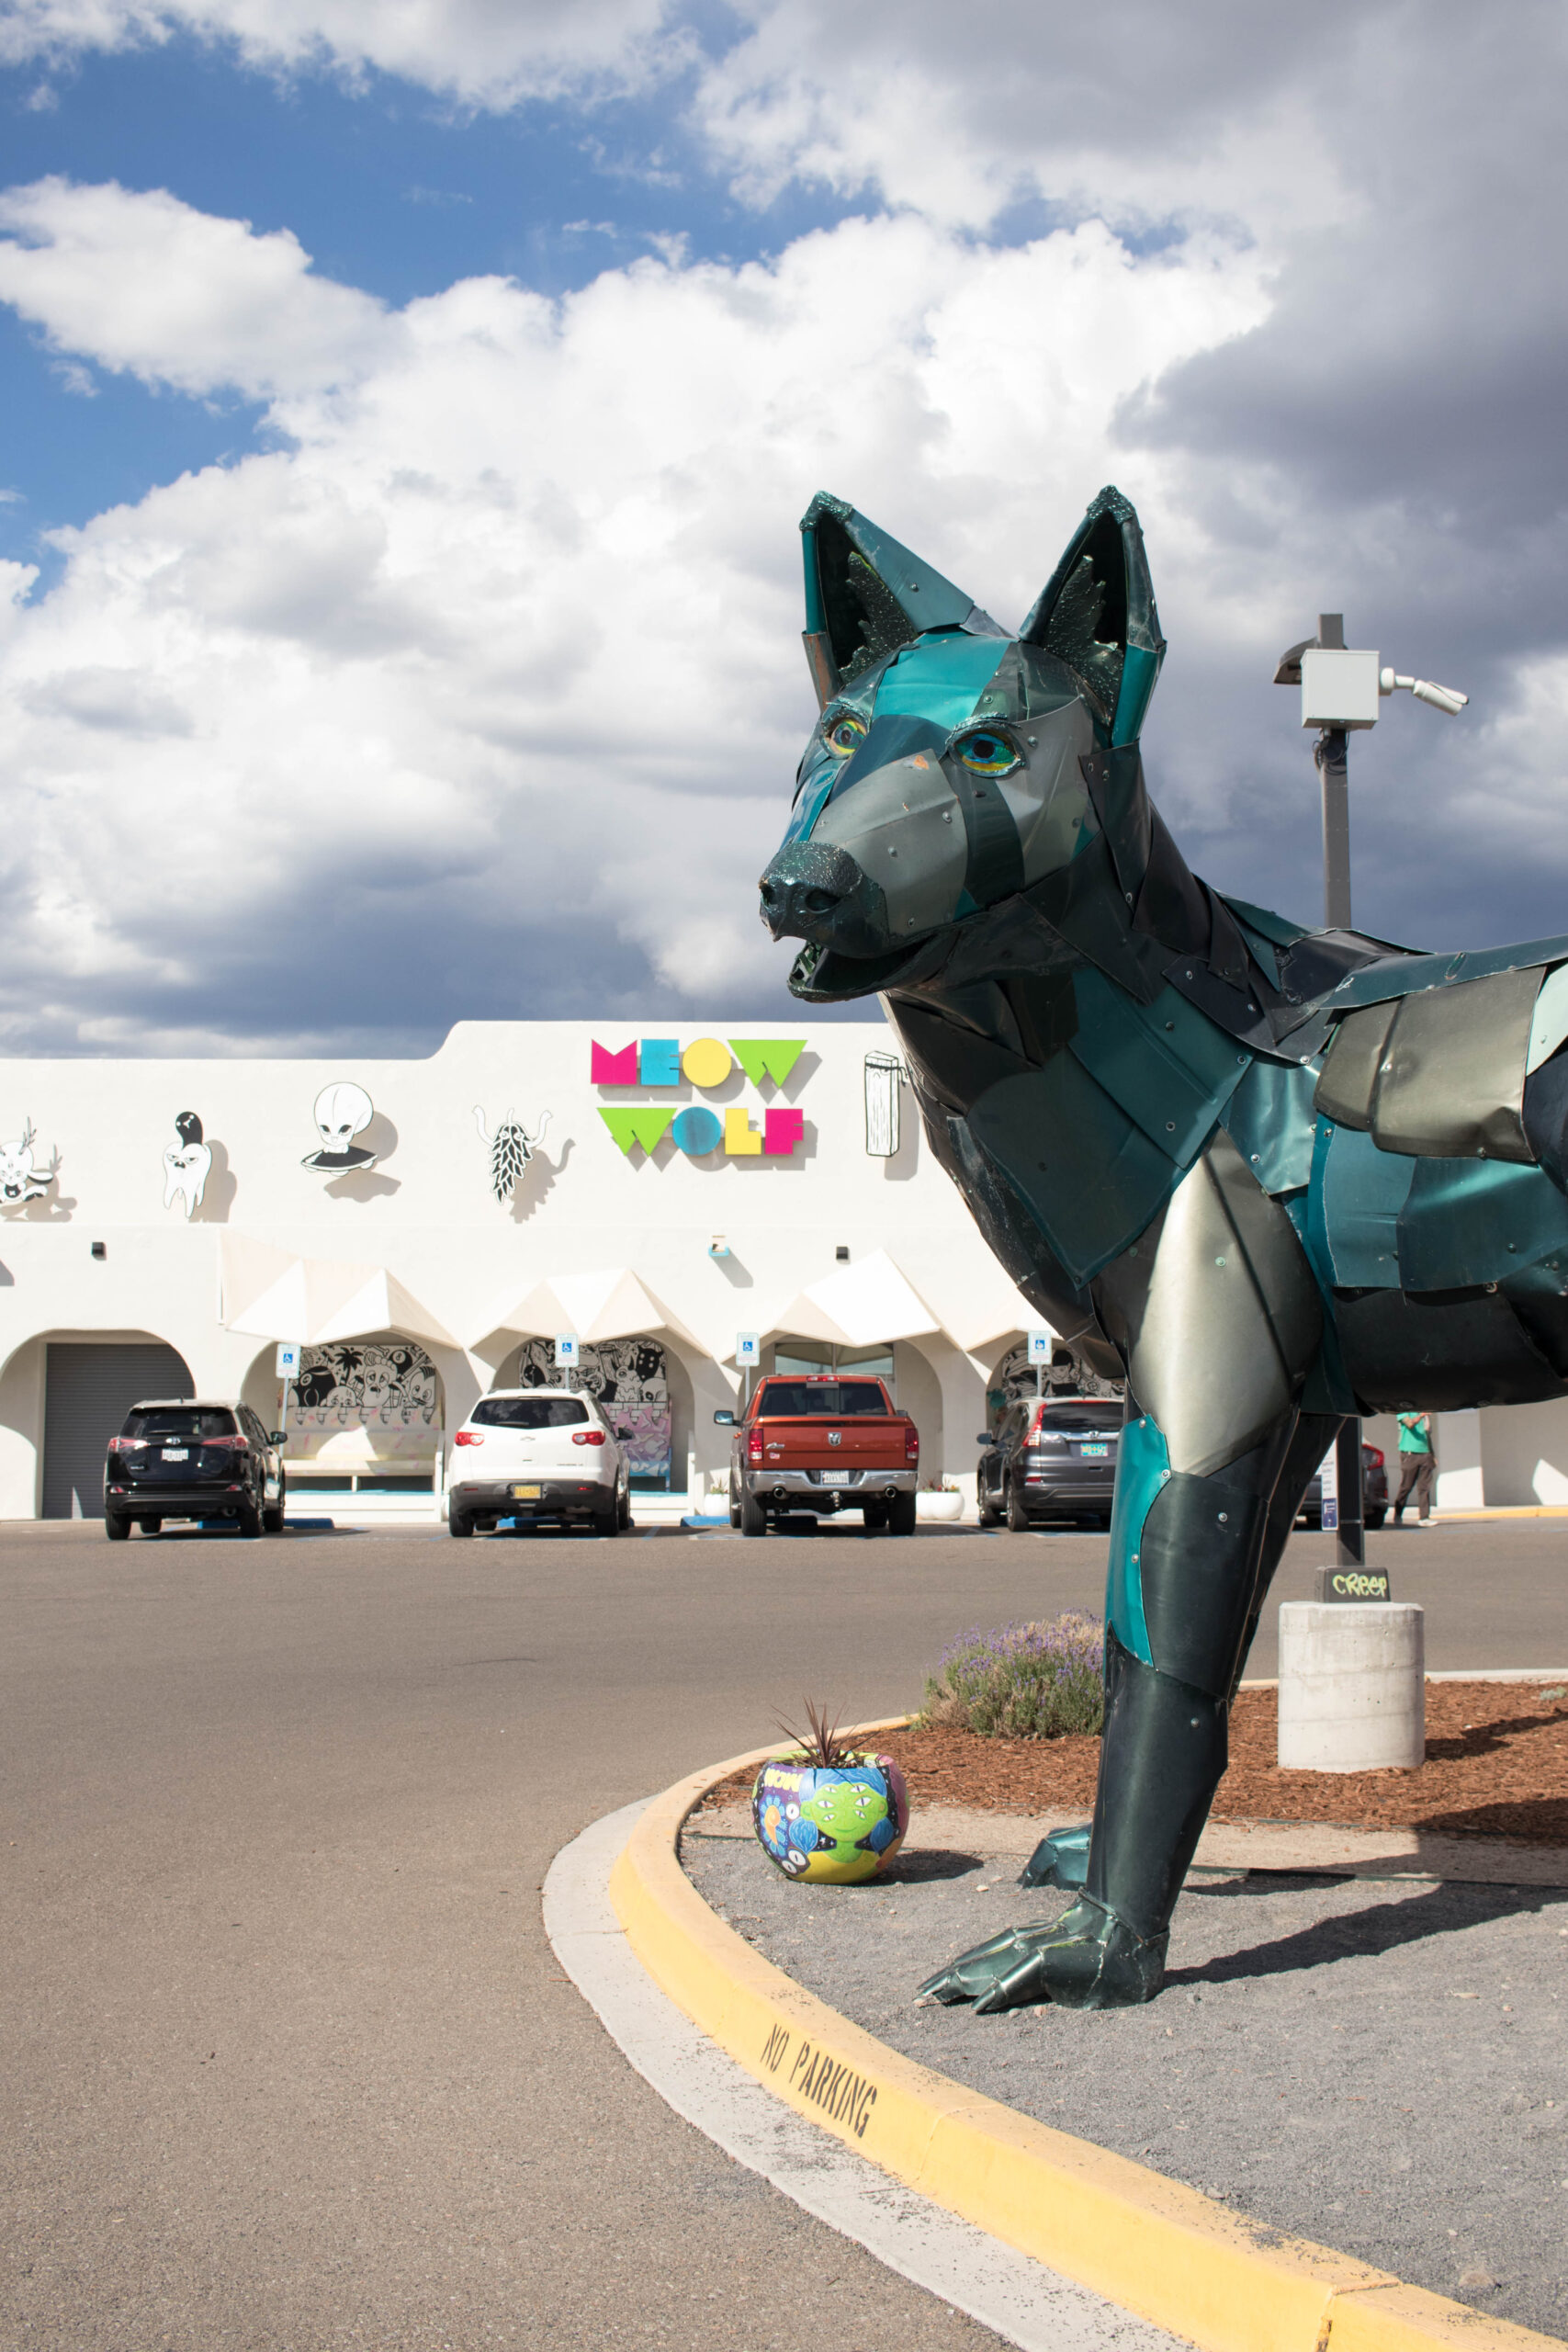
865,596
1097,613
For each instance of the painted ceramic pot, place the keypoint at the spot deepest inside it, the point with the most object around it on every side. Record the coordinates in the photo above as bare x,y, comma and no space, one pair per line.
838,1823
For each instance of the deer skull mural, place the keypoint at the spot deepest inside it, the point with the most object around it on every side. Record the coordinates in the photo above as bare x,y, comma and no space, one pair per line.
511,1149
342,1111
21,1179
187,1165
1270,1177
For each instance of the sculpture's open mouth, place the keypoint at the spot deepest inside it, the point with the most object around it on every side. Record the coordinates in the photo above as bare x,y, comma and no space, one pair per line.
827,976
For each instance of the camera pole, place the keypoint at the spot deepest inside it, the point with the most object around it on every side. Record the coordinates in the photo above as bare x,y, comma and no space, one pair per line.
1340,690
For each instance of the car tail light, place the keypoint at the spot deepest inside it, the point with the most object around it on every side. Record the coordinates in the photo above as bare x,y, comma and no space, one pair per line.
1374,1454
468,1436
754,1443
588,1437
912,1442
125,1444
224,1445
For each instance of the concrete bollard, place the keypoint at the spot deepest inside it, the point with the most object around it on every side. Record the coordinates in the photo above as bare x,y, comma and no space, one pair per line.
1352,1686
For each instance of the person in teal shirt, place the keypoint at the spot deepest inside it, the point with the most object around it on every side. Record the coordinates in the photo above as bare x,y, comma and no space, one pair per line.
1417,1466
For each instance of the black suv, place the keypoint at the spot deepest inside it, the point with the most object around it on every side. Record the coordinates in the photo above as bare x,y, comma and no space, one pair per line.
178,1460
1051,1458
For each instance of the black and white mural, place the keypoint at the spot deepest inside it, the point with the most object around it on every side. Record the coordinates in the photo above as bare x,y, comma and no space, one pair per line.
187,1163
356,1400
1066,1374
510,1149
629,1379
342,1111
21,1177
885,1075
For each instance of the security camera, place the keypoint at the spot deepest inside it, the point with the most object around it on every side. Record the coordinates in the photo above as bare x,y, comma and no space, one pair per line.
1440,698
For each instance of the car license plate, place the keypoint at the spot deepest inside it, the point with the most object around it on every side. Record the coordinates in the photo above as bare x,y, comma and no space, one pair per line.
177,1453
835,1477
1096,1452
525,1494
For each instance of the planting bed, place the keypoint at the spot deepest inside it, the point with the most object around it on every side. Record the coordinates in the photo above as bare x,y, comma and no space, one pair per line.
1496,1766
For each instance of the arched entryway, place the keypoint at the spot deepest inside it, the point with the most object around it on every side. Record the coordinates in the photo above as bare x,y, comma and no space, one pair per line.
1066,1375
89,1387
368,1414
641,1385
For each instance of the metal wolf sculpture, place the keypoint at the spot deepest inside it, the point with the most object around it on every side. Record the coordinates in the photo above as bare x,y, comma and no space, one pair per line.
1271,1176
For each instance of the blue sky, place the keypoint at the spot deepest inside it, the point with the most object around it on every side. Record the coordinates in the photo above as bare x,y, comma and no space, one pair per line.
388,185
410,632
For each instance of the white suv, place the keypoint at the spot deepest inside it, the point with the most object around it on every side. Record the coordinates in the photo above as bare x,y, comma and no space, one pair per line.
534,1453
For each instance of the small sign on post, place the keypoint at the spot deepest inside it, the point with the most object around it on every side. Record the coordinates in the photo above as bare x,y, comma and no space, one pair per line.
748,1348
1040,1356
288,1354
1328,1473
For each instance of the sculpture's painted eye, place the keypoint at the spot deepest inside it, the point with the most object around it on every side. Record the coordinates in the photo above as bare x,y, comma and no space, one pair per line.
847,734
987,751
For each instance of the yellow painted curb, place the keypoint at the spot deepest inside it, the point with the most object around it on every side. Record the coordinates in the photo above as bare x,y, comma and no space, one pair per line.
1150,2244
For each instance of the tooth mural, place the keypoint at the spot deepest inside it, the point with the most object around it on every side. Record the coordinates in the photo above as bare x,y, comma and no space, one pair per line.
1270,1176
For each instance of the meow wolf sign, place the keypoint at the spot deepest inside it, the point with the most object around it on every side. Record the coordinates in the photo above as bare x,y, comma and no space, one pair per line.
707,1062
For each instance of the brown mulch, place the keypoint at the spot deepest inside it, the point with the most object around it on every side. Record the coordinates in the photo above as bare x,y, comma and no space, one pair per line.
1496,1766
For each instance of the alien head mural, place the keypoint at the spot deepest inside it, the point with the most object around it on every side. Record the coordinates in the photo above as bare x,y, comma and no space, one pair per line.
342,1111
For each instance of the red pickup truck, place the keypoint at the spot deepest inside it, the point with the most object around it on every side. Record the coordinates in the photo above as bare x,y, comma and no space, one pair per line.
824,1444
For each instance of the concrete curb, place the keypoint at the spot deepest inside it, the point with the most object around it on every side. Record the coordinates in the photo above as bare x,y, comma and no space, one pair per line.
1152,2245
1018,2298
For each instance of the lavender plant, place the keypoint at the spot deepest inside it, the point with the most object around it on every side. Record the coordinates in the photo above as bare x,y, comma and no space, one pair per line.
1029,1682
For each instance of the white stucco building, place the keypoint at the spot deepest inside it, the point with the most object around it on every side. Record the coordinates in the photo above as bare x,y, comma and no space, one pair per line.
694,1180
794,1199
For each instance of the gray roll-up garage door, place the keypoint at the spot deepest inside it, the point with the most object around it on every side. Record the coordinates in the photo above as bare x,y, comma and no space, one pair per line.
89,1387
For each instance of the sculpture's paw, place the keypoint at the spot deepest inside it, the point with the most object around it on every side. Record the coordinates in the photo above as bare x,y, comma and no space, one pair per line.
1085,1960
1061,1859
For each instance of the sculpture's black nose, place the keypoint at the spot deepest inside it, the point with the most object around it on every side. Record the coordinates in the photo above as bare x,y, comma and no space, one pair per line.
804,886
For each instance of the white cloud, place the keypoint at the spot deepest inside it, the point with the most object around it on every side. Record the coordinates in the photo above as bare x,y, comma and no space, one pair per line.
485,690
147,285
486,52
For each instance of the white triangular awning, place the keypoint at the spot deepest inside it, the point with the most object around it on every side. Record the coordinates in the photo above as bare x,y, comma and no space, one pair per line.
875,1302
270,1295
856,1307
613,1304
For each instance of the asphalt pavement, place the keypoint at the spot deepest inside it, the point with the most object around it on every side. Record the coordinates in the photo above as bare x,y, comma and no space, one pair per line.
290,2062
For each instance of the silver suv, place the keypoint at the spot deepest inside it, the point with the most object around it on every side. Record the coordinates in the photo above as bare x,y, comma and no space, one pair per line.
1051,1458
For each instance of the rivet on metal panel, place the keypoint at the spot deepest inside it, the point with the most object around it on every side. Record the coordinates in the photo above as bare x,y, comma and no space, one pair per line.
1170,1126
1224,1516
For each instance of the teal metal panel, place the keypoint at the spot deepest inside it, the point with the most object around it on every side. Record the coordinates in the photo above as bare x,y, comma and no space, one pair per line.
1468,1222
1270,1119
1362,1190
1092,1179
1143,1468
1404,975
941,678
1167,1065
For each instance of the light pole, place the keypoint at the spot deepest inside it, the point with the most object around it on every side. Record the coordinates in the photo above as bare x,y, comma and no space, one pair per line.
1341,688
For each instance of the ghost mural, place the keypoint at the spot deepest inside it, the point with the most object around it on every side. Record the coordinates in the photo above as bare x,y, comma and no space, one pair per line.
21,1180
342,1112
187,1163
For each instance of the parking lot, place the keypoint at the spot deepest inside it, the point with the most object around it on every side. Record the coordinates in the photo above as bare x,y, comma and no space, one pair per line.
290,2062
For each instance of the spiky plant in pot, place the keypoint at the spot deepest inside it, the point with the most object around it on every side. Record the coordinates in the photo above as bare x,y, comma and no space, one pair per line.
827,1812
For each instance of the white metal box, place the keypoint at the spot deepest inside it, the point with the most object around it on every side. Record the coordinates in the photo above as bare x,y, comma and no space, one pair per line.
1338,689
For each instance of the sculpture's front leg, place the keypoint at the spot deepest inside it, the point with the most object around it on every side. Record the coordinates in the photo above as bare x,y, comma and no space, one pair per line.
1219,1319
